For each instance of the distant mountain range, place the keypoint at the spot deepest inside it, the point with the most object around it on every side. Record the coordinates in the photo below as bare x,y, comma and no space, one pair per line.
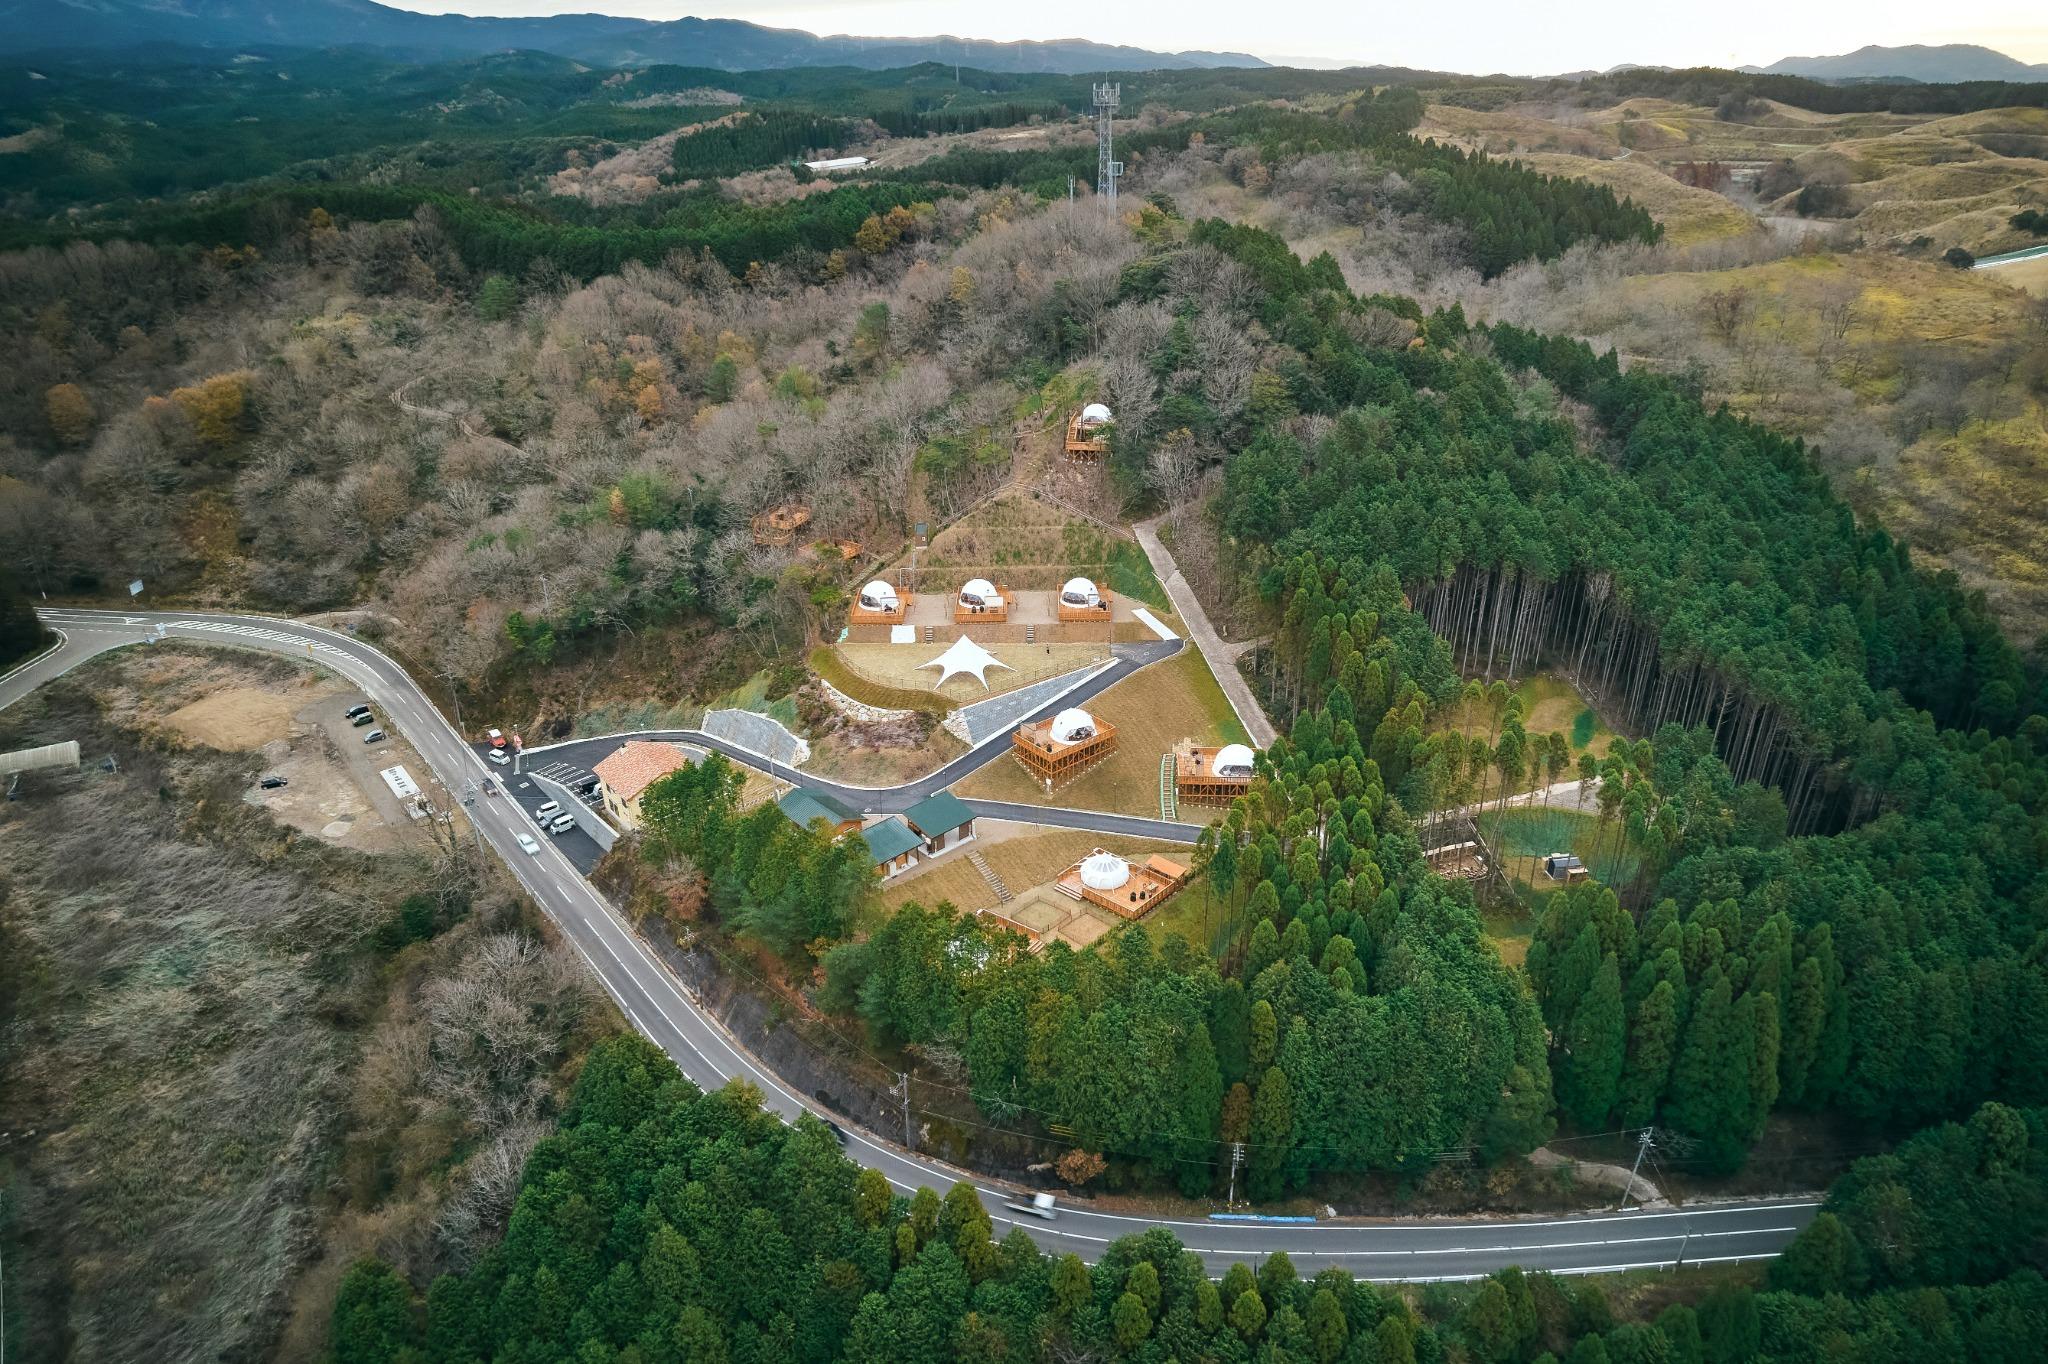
1932,65
600,39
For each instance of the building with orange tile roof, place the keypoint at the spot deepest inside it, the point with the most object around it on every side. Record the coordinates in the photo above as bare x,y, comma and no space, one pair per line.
624,775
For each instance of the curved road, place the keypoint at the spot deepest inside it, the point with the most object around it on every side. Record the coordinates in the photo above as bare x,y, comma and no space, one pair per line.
1126,659
663,1009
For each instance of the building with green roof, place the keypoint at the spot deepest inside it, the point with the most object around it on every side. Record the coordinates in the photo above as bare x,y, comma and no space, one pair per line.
893,845
943,820
805,807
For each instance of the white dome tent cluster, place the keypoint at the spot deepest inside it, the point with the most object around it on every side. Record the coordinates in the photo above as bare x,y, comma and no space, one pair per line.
965,656
1234,762
878,596
1080,592
1104,871
1072,726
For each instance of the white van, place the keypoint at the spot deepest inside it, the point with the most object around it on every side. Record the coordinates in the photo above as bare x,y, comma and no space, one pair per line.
547,812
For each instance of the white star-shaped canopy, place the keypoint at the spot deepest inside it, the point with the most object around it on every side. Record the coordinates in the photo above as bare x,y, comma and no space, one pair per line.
965,656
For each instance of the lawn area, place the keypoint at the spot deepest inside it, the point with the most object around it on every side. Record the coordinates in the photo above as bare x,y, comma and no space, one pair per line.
1035,547
1523,836
1152,710
1023,855
1549,705
1196,914
1510,929
897,668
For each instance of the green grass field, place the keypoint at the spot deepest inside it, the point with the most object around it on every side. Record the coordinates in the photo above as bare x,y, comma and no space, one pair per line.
1152,709
1196,914
1525,836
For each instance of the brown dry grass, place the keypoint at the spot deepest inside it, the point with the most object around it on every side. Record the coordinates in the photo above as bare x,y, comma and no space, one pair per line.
2030,275
1955,180
1021,854
898,666
239,719
836,758
221,1087
1688,215
1966,498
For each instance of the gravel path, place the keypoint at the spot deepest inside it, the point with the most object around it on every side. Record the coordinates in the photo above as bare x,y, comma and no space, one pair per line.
1222,661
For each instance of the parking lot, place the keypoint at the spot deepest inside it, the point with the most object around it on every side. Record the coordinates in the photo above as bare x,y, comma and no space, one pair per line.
580,848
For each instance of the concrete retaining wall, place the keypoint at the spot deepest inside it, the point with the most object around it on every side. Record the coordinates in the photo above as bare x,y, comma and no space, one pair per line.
587,819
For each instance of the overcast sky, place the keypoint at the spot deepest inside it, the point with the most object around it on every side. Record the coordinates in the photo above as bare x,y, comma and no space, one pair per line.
1518,36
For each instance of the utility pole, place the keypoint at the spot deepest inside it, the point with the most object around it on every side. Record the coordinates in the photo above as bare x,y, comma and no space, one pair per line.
1236,1159
1643,1145
455,696
903,1079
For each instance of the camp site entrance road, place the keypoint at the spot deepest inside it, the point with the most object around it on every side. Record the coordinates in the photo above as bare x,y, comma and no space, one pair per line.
660,1007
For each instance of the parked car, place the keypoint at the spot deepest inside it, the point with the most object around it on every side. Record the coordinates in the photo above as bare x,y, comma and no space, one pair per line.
272,783
529,845
364,719
375,736
498,756
586,786
497,739
547,812
561,824
356,712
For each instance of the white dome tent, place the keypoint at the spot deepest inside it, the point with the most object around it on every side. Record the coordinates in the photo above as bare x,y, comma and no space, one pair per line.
1104,871
1094,415
979,592
965,656
1080,592
1072,725
1235,762
878,596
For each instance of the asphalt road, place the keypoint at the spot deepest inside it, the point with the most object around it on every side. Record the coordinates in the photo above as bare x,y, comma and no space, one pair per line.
663,1009
1126,659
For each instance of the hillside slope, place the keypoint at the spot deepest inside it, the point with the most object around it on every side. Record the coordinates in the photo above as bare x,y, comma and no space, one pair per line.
727,44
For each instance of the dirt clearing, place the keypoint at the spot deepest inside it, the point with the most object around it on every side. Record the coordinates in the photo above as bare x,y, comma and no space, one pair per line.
236,720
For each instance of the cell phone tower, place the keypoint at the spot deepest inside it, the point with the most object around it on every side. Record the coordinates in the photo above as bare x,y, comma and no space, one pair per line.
1107,168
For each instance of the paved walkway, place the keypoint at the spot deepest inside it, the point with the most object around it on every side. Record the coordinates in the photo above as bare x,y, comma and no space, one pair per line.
999,714
758,733
1222,661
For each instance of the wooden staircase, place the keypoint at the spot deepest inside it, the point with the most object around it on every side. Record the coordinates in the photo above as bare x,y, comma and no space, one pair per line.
988,874
1169,790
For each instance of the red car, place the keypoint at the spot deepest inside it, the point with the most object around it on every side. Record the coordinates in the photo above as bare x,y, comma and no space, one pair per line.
497,739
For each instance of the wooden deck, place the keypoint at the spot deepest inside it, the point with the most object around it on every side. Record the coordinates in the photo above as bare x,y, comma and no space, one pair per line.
1196,781
1050,761
777,527
1152,882
863,615
1071,613
998,614
1082,449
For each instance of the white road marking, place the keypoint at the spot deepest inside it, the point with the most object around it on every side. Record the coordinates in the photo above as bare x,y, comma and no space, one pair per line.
590,917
